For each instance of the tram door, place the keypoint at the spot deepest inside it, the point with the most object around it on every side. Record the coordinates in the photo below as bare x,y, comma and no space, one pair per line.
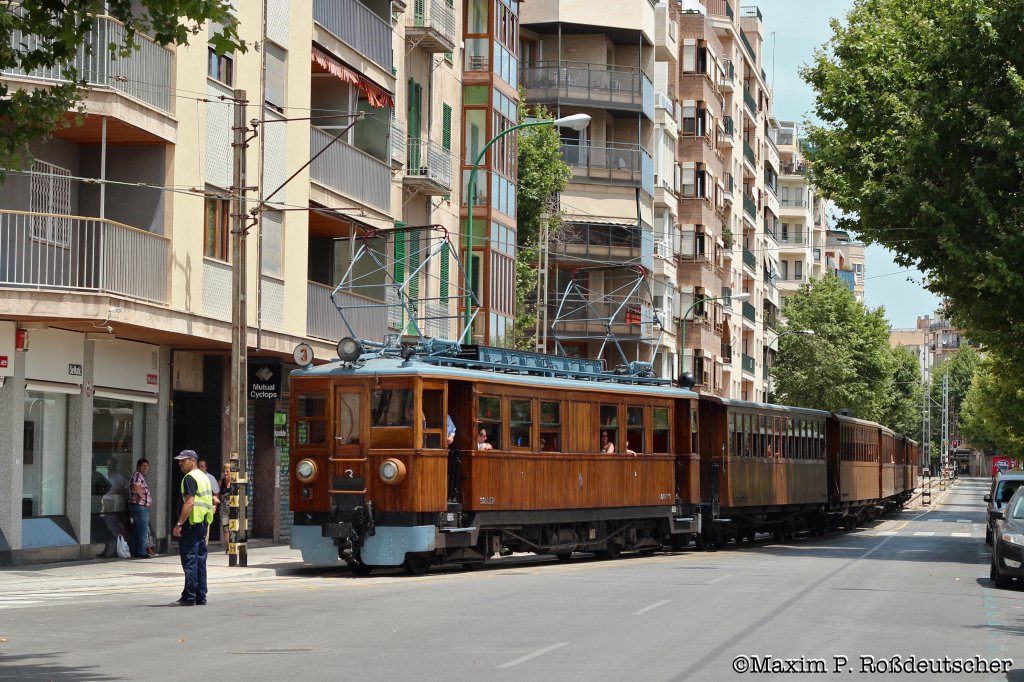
460,409
348,478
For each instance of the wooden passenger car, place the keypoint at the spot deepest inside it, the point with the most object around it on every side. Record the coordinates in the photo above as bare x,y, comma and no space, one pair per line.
375,482
763,467
854,465
887,470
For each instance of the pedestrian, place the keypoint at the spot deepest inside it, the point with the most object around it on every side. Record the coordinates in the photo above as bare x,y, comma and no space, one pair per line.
114,508
225,504
139,502
215,487
193,522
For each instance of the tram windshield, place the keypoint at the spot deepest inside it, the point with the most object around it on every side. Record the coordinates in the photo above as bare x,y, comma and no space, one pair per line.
392,407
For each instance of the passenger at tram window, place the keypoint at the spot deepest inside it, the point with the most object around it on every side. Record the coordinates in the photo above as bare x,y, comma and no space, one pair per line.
481,440
607,444
451,430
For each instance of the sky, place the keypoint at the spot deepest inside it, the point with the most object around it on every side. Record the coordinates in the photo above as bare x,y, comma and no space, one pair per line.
800,26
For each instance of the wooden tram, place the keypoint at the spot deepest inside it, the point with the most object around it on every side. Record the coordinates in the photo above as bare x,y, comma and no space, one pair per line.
374,481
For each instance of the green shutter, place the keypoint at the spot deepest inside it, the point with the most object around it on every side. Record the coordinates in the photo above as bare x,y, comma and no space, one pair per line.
419,13
399,256
413,291
444,276
446,123
415,120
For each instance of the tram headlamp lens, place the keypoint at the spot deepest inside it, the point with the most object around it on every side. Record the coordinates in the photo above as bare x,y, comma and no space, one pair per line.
305,470
392,471
349,349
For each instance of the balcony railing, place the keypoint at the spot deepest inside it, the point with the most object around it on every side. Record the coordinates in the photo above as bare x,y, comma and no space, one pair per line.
323,321
144,74
749,207
749,259
748,364
748,153
616,163
576,82
727,353
749,100
750,48
398,142
749,311
354,23
50,251
432,26
429,164
350,171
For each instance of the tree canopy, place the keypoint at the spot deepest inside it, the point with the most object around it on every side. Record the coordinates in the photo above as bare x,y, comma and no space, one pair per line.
848,362
992,413
922,145
61,30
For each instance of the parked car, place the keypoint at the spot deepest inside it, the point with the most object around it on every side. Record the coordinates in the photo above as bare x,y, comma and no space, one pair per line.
1008,542
1004,485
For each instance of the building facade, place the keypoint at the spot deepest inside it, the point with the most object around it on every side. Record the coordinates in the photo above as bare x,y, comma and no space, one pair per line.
116,266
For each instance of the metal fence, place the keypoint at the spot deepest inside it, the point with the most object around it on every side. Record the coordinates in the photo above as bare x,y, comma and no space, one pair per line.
428,159
323,321
615,163
436,15
50,251
357,25
609,87
350,170
144,74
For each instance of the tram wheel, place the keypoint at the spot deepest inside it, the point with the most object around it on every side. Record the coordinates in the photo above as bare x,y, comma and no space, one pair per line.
416,564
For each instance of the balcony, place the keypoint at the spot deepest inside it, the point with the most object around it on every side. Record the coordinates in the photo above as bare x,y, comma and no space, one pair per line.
397,139
748,46
323,321
748,99
728,187
666,43
350,171
728,130
43,251
749,312
355,24
749,366
428,168
748,154
727,83
431,26
600,242
727,356
575,83
749,259
749,207
617,163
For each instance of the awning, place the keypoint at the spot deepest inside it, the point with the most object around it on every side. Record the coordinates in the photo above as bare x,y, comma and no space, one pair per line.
377,96
585,219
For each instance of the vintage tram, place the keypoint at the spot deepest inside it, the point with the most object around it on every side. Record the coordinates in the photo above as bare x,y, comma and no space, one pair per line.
440,453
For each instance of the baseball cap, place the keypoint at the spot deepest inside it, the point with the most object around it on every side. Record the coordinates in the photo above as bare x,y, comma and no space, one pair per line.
187,454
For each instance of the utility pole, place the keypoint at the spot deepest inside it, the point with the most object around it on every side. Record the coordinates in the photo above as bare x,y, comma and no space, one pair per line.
237,446
542,286
945,421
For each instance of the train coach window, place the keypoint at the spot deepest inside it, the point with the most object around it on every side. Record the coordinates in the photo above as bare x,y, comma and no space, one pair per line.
521,423
661,431
550,427
489,418
311,419
434,419
392,407
635,429
609,416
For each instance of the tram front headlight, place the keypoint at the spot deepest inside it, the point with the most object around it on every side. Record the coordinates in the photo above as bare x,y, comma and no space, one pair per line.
392,471
306,470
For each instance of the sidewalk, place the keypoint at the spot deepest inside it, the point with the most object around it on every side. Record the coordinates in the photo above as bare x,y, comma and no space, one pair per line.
265,560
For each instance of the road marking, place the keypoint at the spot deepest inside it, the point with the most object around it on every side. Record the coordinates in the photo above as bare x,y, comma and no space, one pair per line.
651,607
925,532
535,654
718,579
962,535
888,532
964,521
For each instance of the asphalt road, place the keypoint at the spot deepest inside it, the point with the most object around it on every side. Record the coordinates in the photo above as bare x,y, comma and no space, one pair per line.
914,584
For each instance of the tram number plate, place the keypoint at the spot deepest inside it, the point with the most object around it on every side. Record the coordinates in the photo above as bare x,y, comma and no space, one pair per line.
486,500
665,496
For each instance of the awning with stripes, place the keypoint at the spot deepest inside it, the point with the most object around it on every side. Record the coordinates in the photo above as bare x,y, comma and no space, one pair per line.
377,96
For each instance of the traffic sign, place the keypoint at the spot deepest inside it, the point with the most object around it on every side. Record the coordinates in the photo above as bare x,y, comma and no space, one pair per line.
303,354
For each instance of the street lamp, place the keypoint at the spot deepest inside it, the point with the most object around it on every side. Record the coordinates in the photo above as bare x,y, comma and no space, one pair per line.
797,332
682,334
575,122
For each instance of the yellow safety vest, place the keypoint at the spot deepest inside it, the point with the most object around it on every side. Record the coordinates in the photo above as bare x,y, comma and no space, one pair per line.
202,503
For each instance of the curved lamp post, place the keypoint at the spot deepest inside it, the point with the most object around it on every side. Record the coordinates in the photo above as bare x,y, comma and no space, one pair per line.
575,122
682,336
797,332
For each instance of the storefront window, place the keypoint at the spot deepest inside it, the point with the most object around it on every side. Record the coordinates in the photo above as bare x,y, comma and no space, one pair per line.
117,443
45,454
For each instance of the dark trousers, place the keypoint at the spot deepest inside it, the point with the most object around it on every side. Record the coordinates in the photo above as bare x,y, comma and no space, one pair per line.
192,549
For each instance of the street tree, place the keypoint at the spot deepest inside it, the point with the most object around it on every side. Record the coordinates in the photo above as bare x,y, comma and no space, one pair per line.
64,30
992,413
921,144
901,410
542,175
846,364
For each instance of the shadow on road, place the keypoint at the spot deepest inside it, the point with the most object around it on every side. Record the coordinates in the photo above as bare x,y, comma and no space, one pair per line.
38,667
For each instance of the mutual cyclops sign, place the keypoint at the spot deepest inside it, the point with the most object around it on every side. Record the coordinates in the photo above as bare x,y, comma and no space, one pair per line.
264,381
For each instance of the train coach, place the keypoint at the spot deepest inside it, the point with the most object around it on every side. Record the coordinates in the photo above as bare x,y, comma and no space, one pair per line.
440,453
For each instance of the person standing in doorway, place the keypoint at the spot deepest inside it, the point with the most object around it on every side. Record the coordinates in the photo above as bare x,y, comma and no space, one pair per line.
193,522
225,505
139,502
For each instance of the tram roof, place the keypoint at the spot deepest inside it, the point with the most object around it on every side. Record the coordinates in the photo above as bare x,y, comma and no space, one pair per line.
390,366
746,404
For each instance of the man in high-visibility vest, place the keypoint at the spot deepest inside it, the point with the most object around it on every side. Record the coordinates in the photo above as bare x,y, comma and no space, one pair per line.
195,517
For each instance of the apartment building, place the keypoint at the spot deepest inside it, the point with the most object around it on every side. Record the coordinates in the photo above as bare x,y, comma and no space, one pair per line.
576,60
116,262
844,257
801,228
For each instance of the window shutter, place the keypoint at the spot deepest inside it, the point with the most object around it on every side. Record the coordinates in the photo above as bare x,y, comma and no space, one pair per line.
444,276
446,127
275,83
399,256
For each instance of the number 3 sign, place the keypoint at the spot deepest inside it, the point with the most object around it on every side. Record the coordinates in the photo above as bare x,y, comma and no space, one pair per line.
303,354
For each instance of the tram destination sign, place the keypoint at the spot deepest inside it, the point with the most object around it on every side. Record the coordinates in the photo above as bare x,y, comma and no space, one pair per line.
264,380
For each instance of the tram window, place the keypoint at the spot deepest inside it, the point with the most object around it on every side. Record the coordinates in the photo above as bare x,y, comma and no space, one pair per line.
635,429
348,418
609,416
434,422
521,423
489,418
730,443
311,419
662,432
694,442
550,427
392,407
